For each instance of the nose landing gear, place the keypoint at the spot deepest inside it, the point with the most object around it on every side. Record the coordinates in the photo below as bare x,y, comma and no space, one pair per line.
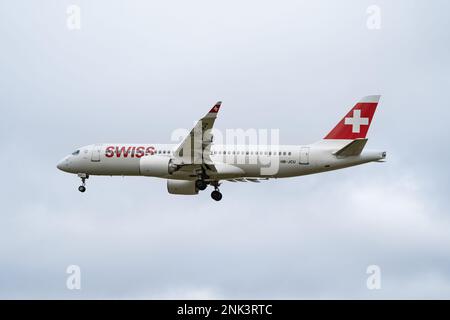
83,177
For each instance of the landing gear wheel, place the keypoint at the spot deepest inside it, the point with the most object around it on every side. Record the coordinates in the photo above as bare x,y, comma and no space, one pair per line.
216,195
83,177
201,185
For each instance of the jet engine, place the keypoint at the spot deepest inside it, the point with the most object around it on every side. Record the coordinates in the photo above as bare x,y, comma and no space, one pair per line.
156,166
181,187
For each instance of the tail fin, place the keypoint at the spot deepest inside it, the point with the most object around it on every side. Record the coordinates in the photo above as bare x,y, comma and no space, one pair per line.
357,121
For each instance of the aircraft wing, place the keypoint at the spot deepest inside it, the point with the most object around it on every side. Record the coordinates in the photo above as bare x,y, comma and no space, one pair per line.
195,148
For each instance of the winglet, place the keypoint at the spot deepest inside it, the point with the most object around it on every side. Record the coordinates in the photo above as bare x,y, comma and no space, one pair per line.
214,111
216,107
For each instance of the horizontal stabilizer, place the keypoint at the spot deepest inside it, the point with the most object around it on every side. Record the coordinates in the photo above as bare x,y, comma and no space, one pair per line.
354,148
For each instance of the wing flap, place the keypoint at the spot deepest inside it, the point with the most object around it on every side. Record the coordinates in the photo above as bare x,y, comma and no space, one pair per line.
254,180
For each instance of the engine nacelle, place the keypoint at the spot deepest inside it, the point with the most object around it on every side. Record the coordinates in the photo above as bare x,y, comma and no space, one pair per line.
156,166
181,187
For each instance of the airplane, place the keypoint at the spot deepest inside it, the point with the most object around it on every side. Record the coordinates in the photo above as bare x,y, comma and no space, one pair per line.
195,163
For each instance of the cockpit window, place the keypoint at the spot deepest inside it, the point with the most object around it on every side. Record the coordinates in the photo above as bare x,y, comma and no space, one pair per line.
75,153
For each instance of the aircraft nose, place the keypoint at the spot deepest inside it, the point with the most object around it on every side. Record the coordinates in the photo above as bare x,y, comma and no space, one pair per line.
62,164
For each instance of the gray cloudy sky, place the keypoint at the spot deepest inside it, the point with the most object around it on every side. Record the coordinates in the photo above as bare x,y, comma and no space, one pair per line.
136,70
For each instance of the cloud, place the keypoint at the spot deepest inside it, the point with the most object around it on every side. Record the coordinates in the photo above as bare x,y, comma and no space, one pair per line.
296,67
296,247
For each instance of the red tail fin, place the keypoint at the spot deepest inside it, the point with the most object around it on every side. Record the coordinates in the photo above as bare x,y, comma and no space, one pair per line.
356,123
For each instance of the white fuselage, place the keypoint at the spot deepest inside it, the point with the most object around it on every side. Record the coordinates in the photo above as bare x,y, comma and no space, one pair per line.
196,162
230,161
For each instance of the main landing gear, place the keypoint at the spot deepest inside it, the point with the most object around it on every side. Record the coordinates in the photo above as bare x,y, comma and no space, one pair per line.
216,195
83,177
201,185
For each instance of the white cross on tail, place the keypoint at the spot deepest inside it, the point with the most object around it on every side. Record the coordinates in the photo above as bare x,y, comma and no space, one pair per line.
356,122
